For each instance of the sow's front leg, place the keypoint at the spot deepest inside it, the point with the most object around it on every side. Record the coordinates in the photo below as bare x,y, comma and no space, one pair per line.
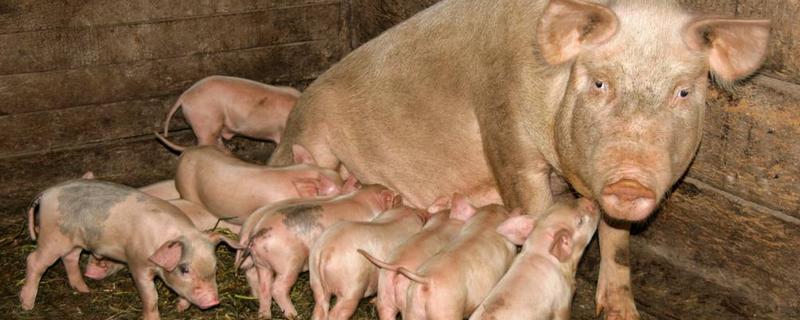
614,283
522,174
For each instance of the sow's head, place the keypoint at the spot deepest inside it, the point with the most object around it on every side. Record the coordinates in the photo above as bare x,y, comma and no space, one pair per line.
631,118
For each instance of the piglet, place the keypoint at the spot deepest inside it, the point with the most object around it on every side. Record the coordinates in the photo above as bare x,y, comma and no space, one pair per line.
231,189
278,238
546,265
164,189
440,229
117,222
220,107
452,283
98,268
336,267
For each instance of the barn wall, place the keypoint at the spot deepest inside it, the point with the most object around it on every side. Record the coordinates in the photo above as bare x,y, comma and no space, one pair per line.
728,238
83,84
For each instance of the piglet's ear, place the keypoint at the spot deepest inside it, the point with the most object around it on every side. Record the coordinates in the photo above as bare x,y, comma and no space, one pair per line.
517,228
736,48
351,185
168,255
216,238
462,209
569,24
302,155
562,245
441,203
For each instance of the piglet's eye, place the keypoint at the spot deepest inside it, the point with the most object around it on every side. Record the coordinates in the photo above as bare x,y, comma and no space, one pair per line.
184,269
683,93
600,84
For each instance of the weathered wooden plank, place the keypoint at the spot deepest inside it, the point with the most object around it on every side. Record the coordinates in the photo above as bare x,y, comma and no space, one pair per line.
52,90
76,48
136,162
371,17
783,60
744,247
749,146
32,15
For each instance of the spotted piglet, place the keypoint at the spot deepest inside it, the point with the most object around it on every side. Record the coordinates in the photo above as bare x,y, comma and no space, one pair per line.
117,222
438,231
337,269
278,238
546,264
452,283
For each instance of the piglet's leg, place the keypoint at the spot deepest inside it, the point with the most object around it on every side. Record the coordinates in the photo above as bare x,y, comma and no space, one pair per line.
344,307
264,295
38,261
322,299
71,263
282,288
183,304
614,283
143,280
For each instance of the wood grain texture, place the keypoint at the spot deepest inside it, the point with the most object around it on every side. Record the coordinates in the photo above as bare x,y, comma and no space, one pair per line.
783,59
24,93
739,245
135,161
31,15
750,147
371,17
63,49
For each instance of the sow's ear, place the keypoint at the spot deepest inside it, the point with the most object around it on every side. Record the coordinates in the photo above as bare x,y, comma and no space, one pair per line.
736,48
517,228
168,255
567,25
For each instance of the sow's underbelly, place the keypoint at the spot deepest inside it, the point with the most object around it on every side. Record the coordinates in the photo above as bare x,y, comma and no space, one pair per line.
422,170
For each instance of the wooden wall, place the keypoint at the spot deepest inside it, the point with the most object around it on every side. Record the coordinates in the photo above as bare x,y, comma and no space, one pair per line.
84,83
726,244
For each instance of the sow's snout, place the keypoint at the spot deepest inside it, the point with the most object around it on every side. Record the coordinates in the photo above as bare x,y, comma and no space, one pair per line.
628,200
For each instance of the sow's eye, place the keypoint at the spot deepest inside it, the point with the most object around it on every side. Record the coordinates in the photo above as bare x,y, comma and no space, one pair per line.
682,93
599,85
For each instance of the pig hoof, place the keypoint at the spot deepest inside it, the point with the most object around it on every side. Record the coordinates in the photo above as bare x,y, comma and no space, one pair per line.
82,288
617,305
183,305
265,314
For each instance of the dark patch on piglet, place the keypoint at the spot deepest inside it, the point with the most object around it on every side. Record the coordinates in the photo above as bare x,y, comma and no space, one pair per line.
85,205
303,218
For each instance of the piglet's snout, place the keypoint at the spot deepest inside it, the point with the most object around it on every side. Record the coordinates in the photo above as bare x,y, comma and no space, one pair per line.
206,298
628,200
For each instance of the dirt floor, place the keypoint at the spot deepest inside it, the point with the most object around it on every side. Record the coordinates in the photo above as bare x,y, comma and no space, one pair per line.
116,298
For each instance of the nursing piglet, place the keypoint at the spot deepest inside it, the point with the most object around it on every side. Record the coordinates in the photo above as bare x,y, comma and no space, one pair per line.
452,283
219,107
117,222
231,188
337,269
546,266
440,229
278,238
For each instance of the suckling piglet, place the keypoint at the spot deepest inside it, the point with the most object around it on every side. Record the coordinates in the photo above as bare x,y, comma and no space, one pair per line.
278,238
438,231
337,269
452,283
546,266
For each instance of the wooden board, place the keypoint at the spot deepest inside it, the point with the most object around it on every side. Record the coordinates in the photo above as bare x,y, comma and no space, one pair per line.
739,245
371,17
62,49
750,146
135,161
23,93
31,15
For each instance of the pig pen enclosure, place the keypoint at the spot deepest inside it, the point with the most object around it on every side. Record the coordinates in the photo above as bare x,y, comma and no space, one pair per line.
83,84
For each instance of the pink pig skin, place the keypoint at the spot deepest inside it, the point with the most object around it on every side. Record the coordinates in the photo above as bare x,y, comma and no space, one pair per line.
163,190
117,222
546,266
231,188
442,227
337,268
452,283
220,107
278,239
